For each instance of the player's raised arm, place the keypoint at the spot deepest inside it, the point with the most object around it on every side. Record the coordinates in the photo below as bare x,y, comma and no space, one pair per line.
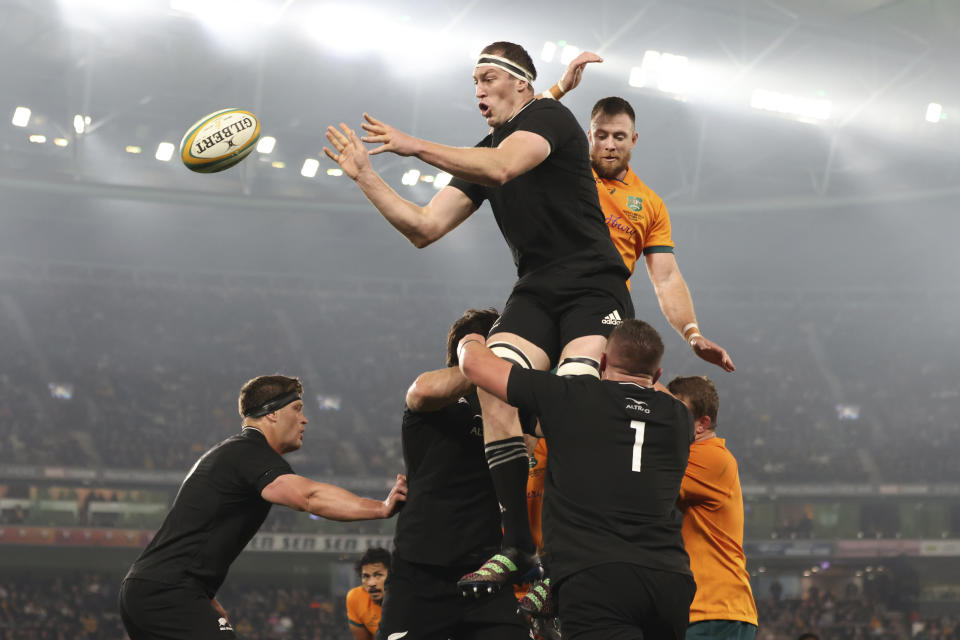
332,502
420,225
490,166
677,307
571,77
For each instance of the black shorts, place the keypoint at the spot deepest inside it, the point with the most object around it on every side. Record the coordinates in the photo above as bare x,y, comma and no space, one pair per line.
624,602
423,601
554,307
157,611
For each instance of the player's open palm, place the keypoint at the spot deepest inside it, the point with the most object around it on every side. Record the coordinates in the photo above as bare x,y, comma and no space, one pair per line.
574,71
389,138
713,353
349,152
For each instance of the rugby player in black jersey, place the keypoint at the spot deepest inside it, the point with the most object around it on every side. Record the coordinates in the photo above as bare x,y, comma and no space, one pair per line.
451,520
170,591
618,450
534,169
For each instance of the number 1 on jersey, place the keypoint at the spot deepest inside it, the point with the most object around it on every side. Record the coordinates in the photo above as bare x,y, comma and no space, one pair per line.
639,426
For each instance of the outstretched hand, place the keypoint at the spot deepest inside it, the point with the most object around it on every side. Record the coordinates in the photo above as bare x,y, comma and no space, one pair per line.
393,140
712,353
574,71
396,497
351,154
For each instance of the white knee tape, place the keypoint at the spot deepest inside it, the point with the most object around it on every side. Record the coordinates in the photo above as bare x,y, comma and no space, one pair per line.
511,353
580,366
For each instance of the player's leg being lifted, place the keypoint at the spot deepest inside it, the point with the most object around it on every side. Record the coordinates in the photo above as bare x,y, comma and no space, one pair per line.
508,460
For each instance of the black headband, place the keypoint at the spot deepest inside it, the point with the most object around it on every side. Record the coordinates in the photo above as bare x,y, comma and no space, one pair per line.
272,405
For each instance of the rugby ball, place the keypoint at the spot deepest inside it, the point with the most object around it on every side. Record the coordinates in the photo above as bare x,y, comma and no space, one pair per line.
219,140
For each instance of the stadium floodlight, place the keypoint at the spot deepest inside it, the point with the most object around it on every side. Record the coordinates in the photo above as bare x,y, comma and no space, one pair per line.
38,138
427,178
80,123
934,111
568,53
336,172
548,52
441,180
309,168
266,144
61,142
801,108
665,72
410,177
21,116
278,164
134,149
164,151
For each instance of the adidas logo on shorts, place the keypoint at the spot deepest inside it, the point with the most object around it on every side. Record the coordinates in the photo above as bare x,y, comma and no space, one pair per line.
612,318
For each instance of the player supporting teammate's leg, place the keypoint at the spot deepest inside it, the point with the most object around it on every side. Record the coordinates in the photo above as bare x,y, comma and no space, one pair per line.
508,460
507,454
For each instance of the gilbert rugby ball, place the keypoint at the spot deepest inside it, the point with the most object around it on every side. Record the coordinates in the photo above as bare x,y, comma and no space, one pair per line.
219,140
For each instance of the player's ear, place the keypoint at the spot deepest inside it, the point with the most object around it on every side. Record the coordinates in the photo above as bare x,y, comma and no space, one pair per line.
603,364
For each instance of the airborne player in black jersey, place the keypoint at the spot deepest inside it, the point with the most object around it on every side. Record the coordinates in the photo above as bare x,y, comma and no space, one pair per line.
169,592
534,170
618,450
451,520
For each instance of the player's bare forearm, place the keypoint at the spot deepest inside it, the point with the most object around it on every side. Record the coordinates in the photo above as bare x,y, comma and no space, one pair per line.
434,390
677,307
671,289
335,503
406,217
480,165
332,502
219,608
482,367
675,301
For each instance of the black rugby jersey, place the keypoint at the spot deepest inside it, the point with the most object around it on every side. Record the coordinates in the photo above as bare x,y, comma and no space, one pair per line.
552,212
217,511
618,452
451,515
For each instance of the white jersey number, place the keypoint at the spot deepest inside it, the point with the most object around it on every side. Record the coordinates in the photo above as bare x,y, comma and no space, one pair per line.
639,426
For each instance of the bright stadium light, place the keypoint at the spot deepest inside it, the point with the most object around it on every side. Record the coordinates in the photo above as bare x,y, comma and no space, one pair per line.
427,178
266,144
410,177
665,72
164,151
80,123
934,111
309,168
134,149
278,164
548,52
21,116
336,172
568,53
61,142
801,108
38,138
441,180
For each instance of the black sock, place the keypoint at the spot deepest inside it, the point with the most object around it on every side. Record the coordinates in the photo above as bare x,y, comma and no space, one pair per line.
509,466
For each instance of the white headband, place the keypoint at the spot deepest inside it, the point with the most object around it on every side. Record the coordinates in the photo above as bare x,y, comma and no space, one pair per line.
509,66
